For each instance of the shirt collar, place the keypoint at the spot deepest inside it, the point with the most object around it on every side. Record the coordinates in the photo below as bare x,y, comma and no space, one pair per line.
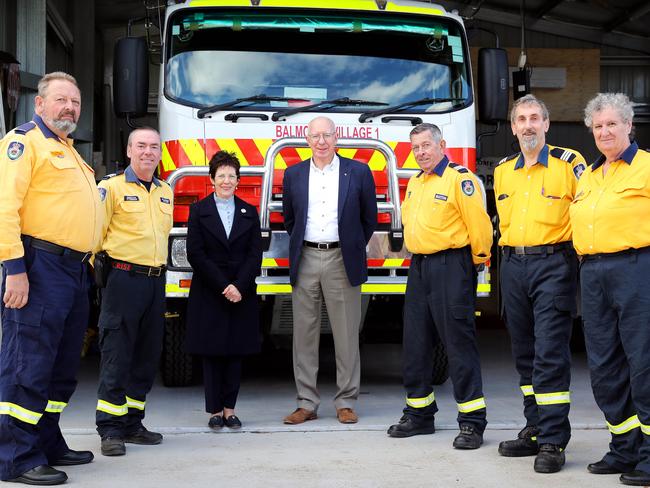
223,201
542,158
47,132
627,156
440,167
330,167
131,177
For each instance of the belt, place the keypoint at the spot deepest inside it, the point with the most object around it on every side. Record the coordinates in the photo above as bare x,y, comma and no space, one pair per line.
136,268
323,246
624,252
537,250
52,248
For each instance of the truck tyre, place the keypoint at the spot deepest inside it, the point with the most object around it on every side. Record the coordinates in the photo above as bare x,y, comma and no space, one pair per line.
177,367
440,371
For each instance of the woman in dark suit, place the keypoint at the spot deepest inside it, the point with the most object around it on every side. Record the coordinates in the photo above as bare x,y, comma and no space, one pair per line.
224,247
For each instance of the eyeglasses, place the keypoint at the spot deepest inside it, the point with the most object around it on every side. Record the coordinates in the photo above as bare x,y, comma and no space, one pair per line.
328,136
226,177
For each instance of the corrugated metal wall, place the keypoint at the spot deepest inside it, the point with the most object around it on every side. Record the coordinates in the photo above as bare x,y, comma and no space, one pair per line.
621,71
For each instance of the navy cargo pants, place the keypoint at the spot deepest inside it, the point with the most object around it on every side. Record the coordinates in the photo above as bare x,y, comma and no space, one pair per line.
539,297
131,325
439,305
616,313
39,358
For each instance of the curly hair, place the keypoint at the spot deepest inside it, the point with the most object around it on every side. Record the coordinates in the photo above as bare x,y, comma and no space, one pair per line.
221,159
617,101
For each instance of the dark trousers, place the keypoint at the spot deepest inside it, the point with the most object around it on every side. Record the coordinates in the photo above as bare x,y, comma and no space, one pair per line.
616,313
131,324
221,377
439,305
39,359
539,296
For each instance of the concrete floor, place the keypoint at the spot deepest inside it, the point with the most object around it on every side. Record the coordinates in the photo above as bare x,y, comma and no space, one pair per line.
324,453
268,394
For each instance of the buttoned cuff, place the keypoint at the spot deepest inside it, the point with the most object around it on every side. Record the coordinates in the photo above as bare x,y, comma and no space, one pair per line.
14,266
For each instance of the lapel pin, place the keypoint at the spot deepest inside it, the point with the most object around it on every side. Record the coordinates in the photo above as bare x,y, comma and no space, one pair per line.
243,210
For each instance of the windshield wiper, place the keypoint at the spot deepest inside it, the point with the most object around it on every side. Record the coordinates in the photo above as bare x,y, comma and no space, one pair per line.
255,98
334,103
398,108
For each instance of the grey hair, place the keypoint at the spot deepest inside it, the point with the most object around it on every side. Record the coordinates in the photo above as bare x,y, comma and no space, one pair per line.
433,129
617,101
528,100
144,128
44,82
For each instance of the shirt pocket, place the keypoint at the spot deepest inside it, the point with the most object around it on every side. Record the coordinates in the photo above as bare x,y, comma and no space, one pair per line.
625,192
552,204
132,214
166,216
66,176
504,209
441,214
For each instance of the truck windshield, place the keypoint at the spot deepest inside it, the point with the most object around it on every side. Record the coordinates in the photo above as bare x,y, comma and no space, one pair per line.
214,57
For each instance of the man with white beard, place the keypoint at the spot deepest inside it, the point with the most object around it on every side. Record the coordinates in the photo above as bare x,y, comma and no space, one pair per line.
533,191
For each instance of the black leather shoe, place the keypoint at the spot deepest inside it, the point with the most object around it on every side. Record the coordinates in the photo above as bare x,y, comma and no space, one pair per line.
602,467
408,427
635,478
524,445
215,422
113,446
41,475
550,459
233,422
468,438
72,458
144,437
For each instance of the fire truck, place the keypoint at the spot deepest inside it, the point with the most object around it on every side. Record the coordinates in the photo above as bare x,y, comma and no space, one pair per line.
247,76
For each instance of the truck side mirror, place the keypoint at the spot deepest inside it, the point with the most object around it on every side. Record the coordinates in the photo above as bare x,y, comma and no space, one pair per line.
130,77
493,97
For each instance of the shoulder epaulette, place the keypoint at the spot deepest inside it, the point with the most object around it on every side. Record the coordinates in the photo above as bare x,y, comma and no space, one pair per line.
24,128
509,158
458,167
563,154
108,177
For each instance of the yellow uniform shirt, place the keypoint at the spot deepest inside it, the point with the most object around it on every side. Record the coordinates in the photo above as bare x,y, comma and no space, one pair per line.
533,203
47,191
444,210
137,221
611,213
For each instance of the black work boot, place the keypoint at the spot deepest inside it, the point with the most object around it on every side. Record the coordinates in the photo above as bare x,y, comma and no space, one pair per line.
409,426
524,445
113,446
550,459
143,436
635,478
468,438
41,475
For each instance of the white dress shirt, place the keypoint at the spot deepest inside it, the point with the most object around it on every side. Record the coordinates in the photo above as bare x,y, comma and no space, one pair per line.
322,210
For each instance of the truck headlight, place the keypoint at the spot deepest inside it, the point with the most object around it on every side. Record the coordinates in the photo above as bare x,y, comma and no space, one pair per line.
179,253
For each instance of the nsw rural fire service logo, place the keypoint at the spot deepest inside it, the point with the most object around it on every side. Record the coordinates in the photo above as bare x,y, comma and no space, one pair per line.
468,187
15,150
